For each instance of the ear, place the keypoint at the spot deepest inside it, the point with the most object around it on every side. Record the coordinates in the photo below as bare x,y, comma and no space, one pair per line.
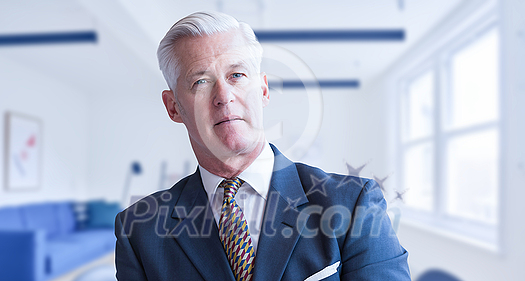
265,89
171,106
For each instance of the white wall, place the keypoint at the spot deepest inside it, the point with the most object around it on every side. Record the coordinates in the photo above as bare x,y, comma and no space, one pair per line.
350,128
128,123
63,113
99,103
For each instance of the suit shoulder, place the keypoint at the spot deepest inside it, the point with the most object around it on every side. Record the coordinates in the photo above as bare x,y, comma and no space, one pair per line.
317,182
307,172
165,195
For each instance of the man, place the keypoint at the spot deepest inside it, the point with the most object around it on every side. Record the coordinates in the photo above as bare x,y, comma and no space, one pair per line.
247,213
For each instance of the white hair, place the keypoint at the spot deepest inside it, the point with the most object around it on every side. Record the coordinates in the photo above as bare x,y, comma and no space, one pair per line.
201,24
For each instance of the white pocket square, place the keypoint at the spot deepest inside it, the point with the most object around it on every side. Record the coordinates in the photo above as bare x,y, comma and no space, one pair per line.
325,272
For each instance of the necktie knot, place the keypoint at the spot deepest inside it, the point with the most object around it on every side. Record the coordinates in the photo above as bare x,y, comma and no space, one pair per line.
231,187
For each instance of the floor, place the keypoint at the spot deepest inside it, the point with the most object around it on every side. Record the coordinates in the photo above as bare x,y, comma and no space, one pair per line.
108,259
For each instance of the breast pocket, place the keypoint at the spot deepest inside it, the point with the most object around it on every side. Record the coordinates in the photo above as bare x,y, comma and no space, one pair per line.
328,273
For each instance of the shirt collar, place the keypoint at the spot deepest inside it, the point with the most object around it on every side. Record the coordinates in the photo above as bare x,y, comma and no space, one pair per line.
257,175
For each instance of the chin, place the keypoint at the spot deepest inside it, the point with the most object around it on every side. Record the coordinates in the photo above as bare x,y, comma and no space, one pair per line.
236,146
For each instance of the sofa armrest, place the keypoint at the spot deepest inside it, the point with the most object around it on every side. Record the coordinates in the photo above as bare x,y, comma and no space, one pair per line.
22,254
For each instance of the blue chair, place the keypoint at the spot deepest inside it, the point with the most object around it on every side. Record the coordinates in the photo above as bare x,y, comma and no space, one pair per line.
437,275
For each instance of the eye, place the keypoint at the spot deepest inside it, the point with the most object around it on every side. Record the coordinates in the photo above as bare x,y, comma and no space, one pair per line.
200,81
237,75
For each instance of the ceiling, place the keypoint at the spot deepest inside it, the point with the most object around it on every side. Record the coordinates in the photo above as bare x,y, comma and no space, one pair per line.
132,29
328,60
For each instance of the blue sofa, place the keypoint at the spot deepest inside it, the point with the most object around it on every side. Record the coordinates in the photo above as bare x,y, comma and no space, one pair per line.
45,240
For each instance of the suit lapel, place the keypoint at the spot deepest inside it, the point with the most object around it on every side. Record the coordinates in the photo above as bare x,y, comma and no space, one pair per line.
196,232
282,225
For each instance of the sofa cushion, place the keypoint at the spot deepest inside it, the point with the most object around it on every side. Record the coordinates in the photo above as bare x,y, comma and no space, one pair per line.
41,216
65,217
101,214
11,219
92,238
77,248
81,215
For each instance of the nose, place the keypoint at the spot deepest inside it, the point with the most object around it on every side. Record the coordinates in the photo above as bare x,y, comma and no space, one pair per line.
222,93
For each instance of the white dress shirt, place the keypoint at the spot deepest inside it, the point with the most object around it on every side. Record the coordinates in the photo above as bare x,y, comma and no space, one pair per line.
251,196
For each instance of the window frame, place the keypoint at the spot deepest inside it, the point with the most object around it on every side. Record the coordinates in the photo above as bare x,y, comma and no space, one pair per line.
439,61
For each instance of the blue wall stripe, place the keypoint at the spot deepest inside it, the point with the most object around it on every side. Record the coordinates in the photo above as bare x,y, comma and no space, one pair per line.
322,83
263,36
48,38
332,35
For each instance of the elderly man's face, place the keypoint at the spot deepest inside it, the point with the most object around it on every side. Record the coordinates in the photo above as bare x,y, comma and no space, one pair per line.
220,95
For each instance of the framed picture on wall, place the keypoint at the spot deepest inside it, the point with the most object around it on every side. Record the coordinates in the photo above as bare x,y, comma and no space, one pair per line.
23,135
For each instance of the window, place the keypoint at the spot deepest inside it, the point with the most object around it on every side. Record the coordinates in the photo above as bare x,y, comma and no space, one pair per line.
418,125
450,134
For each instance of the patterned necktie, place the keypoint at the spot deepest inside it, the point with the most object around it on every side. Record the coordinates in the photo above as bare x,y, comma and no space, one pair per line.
234,233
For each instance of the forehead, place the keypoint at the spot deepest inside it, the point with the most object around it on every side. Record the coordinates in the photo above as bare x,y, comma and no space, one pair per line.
205,49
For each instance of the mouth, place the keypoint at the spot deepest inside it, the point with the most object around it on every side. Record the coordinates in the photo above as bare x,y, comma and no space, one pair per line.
228,119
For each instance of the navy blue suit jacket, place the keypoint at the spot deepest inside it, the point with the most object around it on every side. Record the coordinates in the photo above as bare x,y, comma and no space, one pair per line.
312,220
